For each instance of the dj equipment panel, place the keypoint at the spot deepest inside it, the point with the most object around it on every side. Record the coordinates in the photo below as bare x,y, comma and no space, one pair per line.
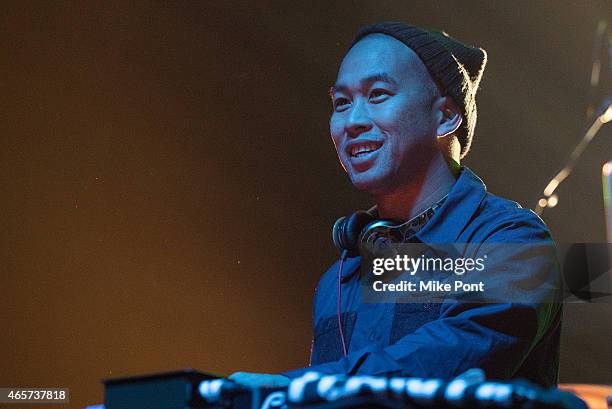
189,389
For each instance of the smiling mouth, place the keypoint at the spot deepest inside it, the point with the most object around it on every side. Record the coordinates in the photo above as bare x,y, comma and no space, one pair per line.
362,150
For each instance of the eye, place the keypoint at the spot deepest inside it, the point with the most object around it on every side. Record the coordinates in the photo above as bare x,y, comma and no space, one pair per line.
340,103
379,95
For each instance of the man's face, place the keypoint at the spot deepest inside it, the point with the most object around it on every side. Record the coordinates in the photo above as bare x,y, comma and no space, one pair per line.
384,118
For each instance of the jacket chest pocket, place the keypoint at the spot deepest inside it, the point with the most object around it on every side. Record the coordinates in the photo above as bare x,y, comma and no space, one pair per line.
408,317
327,345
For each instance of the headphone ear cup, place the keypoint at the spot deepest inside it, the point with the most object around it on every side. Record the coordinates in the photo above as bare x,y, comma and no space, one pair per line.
338,233
346,232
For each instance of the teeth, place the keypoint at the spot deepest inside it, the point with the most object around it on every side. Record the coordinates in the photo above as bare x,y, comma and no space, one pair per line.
369,147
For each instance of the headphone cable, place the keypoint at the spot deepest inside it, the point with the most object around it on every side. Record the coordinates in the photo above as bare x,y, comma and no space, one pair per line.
342,258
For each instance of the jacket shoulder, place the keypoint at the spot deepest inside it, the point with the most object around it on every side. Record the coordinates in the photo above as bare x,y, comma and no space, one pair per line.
503,220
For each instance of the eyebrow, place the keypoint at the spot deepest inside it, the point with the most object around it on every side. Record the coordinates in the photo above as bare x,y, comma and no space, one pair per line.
384,77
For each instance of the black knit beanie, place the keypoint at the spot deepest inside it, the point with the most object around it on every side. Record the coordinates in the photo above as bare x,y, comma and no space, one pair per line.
456,66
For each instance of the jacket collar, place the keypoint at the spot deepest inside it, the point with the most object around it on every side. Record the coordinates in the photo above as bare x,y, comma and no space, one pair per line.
453,216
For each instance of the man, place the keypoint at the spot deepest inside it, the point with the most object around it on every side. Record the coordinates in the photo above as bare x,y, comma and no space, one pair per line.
403,117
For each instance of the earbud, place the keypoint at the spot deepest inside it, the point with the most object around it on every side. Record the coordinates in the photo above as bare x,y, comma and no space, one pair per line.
449,123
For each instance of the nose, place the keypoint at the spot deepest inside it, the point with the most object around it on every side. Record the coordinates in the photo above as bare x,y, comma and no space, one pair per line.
358,120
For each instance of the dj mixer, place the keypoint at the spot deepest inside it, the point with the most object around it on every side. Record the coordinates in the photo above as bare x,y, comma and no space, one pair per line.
189,389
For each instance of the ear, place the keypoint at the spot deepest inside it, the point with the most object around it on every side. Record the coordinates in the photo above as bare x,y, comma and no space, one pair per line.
451,117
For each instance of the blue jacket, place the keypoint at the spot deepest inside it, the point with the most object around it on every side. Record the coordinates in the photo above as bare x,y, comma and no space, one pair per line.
442,340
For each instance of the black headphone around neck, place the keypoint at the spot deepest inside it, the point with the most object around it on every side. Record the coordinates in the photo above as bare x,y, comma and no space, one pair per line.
364,227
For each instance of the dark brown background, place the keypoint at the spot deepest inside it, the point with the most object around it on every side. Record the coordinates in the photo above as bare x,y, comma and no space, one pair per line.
169,185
